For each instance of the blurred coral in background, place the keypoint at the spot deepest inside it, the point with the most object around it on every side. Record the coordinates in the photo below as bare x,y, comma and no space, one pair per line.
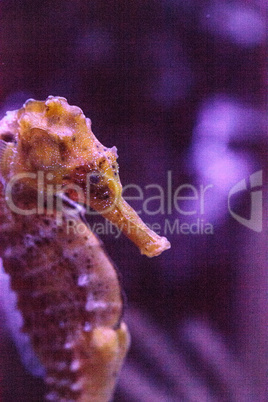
180,88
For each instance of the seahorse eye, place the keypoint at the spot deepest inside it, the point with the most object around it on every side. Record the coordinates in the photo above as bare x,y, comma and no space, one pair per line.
94,178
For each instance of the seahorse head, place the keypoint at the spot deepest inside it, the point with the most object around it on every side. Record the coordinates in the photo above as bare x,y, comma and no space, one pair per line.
55,139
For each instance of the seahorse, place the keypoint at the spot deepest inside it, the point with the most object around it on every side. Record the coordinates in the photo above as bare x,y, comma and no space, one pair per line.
53,170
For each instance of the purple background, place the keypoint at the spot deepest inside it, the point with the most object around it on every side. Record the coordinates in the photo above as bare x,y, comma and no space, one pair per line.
177,86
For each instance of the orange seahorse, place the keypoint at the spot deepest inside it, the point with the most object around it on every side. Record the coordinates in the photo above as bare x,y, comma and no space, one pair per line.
68,290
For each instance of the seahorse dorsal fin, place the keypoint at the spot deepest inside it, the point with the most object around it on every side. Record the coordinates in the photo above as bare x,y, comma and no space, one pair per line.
6,151
3,147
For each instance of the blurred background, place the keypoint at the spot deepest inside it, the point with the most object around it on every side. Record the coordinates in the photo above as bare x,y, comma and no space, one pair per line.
180,87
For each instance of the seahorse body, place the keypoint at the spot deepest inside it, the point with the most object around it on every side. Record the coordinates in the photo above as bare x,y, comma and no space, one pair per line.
69,294
68,289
